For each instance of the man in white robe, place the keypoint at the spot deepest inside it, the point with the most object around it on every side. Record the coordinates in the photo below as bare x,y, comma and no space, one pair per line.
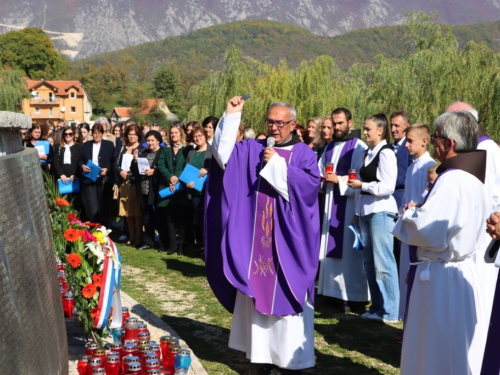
417,141
444,331
486,271
342,274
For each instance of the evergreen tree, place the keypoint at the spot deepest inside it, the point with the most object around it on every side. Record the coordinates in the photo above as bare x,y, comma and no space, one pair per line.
167,85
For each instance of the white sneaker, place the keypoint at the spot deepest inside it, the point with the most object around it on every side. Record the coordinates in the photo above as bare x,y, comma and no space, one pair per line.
390,321
365,315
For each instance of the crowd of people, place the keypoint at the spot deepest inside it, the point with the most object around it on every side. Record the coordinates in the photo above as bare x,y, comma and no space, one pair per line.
305,210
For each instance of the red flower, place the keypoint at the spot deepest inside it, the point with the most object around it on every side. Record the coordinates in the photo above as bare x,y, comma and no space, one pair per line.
62,202
72,235
88,237
89,290
71,217
97,279
93,312
74,259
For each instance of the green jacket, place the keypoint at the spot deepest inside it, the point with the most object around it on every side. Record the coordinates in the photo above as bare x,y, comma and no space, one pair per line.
167,170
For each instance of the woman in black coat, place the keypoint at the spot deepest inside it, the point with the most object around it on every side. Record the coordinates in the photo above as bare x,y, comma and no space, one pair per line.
147,187
65,161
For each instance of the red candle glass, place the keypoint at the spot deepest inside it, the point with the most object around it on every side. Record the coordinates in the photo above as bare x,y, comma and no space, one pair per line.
83,362
164,348
117,347
352,175
68,305
134,369
94,362
329,168
113,365
99,371
156,348
127,360
125,315
172,352
100,353
131,328
90,348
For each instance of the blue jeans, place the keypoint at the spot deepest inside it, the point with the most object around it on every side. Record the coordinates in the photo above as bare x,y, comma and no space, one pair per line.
380,265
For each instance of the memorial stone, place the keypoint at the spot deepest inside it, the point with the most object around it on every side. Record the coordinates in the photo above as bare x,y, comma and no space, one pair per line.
33,335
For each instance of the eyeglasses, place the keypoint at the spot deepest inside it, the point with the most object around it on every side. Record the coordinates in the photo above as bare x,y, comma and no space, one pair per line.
279,124
435,137
132,135
68,134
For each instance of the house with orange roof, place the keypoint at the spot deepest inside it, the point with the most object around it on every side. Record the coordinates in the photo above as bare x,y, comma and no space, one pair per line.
54,100
121,113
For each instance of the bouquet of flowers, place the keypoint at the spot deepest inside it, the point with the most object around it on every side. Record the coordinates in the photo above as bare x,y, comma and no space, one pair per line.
92,264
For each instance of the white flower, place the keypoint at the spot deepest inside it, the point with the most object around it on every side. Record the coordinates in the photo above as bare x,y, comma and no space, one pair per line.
96,250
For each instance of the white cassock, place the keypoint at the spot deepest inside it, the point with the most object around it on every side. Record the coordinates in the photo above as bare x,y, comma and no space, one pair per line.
415,185
487,271
342,278
266,338
444,333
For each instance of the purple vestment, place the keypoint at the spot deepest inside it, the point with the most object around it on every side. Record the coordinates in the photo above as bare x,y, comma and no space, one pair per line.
337,218
231,216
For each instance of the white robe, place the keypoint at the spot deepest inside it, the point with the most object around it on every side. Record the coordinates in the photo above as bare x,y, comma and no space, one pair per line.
415,185
285,341
487,272
444,333
342,278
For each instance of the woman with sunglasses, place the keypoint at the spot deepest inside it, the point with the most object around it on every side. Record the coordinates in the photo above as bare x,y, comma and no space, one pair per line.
65,161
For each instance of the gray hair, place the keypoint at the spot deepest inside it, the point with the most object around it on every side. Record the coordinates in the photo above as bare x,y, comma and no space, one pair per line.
292,110
462,127
98,121
249,133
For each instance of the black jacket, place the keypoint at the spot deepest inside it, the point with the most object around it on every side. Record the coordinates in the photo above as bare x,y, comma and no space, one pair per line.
58,166
105,157
154,180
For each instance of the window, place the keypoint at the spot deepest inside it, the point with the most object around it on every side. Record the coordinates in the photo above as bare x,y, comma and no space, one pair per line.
73,109
51,111
35,95
37,109
72,95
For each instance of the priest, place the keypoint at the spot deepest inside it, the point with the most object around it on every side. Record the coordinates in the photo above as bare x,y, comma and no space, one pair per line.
444,328
262,238
341,274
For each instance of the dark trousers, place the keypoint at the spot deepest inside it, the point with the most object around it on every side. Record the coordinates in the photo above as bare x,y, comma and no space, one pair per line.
173,221
96,198
198,211
150,220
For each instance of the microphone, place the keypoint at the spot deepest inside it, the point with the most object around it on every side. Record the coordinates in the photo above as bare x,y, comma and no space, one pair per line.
270,142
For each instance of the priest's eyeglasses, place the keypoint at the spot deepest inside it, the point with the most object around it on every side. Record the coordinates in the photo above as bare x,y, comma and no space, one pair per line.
435,137
279,124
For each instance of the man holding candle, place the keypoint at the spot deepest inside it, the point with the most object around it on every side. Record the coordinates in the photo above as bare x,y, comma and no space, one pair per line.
341,275
262,238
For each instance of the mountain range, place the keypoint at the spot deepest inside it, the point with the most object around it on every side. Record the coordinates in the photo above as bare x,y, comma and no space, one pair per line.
83,28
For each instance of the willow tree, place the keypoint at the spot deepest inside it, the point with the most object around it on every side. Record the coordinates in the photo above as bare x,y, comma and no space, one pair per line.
13,89
433,73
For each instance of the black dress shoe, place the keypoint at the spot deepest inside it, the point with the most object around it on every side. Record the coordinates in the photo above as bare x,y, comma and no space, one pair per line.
143,247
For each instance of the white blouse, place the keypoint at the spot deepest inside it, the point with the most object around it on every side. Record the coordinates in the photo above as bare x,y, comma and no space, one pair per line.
380,197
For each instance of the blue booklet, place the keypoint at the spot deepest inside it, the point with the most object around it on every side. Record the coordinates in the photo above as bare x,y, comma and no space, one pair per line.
94,171
46,148
70,187
190,174
167,192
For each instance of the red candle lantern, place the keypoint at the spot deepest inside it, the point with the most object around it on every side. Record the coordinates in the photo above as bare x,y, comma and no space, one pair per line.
83,362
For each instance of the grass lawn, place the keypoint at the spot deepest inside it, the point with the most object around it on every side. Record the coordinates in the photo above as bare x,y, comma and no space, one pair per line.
175,288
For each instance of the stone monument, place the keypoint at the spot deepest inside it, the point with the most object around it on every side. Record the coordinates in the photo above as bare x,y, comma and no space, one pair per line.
33,335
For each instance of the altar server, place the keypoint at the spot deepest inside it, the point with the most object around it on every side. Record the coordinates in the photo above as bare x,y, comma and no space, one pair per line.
417,140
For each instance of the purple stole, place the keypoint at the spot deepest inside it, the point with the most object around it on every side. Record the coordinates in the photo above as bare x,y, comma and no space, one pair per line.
264,263
413,253
337,218
491,359
483,138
